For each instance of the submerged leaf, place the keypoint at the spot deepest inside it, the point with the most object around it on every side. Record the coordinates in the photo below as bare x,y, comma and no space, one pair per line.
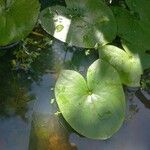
96,108
85,22
128,65
17,19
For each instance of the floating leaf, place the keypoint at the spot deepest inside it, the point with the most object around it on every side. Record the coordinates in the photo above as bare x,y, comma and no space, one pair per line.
17,18
96,108
128,65
131,28
85,22
140,51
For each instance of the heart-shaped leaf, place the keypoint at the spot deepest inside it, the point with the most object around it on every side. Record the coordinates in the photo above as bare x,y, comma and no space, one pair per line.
17,18
128,65
94,108
82,23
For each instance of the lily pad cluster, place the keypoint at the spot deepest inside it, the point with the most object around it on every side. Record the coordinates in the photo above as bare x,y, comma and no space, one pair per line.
95,106
17,19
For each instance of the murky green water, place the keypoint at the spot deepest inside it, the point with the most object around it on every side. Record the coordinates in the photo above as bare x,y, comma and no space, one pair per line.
28,111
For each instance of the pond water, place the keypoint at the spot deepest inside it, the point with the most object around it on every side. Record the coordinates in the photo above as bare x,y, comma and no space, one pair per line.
29,117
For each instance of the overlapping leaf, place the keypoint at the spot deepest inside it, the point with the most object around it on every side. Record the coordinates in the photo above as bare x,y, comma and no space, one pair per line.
127,64
131,28
139,51
82,23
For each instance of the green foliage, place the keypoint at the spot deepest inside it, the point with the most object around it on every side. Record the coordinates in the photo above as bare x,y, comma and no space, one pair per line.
140,7
92,24
133,29
128,65
135,49
17,19
24,58
95,108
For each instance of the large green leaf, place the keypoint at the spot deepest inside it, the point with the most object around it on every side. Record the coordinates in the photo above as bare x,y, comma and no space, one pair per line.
17,18
82,23
128,65
96,108
131,28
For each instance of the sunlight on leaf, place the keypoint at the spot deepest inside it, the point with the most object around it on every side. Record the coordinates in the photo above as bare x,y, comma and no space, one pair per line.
62,25
128,65
136,49
96,108
86,23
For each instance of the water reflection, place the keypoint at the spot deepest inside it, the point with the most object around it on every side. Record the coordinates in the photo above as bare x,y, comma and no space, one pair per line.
13,95
49,134
47,130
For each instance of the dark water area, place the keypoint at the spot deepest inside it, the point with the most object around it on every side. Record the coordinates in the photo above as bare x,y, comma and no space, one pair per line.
29,116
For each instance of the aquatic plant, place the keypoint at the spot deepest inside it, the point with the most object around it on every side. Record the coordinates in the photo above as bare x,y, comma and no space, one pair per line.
96,108
17,19
119,31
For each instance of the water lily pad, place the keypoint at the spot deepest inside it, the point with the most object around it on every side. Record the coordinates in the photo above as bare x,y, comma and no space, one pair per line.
128,65
143,54
17,18
94,108
131,28
85,23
